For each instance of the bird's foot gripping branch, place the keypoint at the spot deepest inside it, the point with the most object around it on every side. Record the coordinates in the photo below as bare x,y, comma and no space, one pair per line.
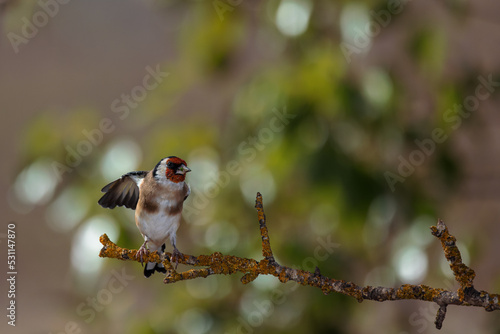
217,263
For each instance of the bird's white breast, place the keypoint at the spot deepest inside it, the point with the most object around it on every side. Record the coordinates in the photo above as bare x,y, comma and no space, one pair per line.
160,224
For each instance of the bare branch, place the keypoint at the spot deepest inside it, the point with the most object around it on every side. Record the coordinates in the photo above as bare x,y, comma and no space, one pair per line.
440,316
217,264
463,274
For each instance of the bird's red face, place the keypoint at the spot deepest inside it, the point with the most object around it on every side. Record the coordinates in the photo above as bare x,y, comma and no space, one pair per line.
176,169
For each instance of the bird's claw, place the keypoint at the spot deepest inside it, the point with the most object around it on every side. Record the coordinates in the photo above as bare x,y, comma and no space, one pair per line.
176,256
143,251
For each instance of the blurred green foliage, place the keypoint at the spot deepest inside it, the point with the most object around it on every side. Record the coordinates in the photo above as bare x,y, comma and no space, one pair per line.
320,171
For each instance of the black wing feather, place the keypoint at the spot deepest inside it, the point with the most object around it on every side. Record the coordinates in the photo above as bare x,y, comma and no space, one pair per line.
122,192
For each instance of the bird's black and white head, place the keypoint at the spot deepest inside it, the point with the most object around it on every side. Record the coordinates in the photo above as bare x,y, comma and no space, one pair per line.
171,168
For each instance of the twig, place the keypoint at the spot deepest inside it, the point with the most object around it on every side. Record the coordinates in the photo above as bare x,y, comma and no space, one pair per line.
217,263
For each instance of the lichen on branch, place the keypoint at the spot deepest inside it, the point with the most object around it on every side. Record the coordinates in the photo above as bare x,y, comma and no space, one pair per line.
219,264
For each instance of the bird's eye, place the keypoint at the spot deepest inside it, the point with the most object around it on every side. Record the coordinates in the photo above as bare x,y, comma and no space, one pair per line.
170,164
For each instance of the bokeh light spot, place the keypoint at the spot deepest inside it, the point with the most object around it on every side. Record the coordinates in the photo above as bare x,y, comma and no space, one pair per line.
292,17
257,179
195,321
380,214
354,20
411,264
377,88
122,156
222,237
67,210
205,166
35,185
85,249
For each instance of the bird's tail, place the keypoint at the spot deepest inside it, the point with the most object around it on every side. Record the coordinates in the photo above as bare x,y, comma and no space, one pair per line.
151,267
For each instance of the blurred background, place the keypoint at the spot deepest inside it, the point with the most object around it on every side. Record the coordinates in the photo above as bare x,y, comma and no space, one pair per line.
360,122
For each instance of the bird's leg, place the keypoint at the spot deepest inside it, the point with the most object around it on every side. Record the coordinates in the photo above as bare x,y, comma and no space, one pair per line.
176,256
142,250
162,253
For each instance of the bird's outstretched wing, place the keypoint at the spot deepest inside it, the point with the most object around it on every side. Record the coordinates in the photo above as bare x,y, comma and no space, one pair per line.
123,192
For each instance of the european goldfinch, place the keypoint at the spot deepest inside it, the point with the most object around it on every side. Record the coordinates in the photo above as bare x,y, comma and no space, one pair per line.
157,197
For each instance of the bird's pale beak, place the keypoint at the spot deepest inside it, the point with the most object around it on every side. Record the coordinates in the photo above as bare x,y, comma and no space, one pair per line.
183,169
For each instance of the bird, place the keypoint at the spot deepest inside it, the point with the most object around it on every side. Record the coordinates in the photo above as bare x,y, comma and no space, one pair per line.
157,197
